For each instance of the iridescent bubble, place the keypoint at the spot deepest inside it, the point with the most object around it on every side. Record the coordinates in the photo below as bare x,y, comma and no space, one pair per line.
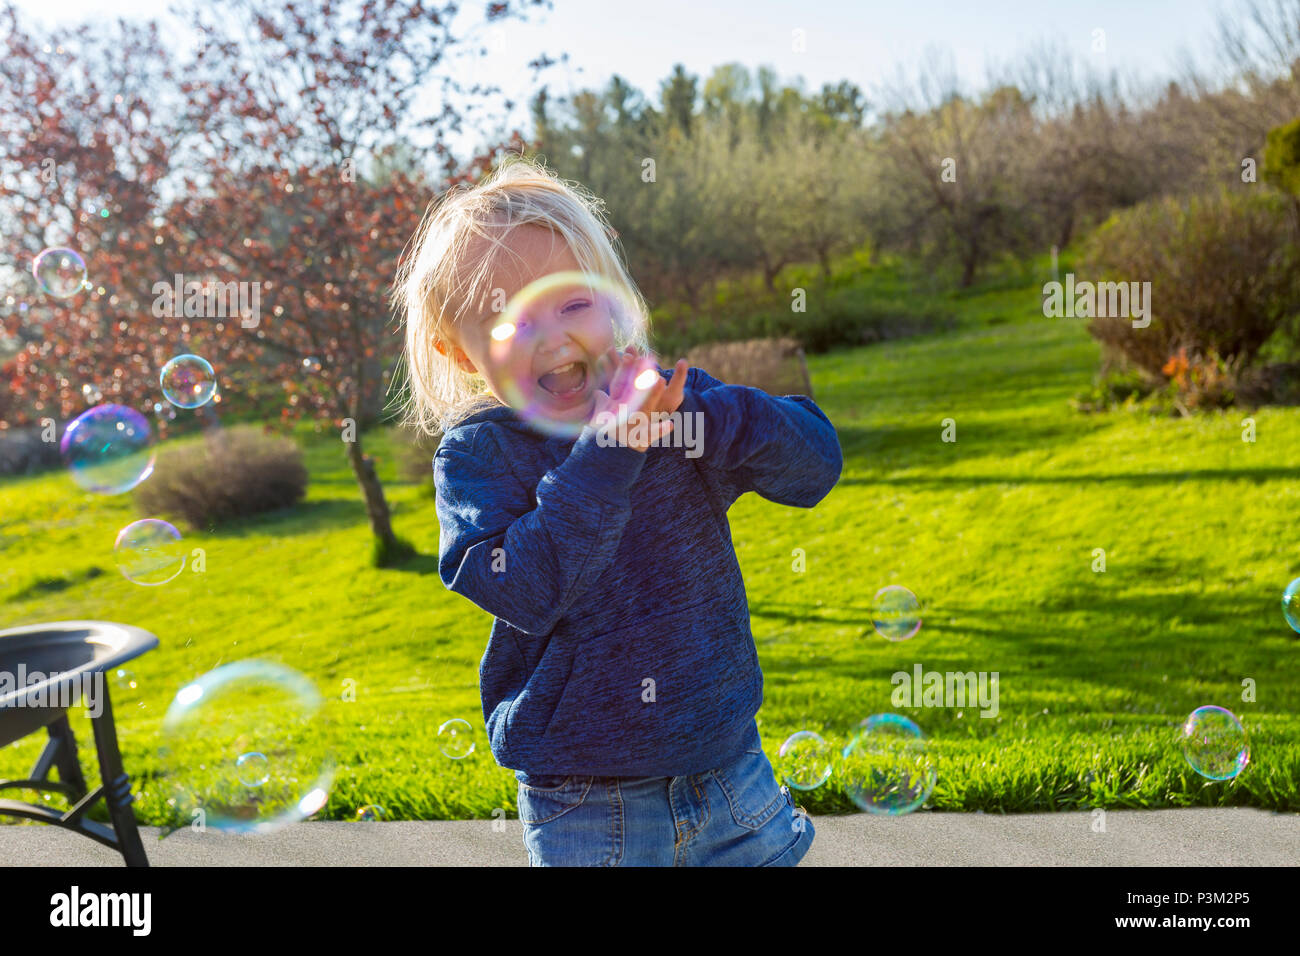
188,381
149,552
895,613
1291,605
249,744
371,813
60,272
456,738
546,377
311,364
804,760
108,449
887,766
253,769
126,689
1214,743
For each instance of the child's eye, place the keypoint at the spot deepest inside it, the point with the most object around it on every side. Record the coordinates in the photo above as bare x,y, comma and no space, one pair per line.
575,307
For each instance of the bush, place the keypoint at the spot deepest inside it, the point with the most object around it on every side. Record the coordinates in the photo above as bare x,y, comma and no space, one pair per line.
23,452
834,318
1114,389
776,366
1224,273
415,463
230,474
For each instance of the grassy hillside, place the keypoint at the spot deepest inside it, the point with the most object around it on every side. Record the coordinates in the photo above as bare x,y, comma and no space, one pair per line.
994,532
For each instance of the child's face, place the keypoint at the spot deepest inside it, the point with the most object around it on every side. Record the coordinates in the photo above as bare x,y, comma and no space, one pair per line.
551,359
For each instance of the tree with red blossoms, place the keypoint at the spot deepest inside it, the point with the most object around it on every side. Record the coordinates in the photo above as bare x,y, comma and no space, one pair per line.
276,170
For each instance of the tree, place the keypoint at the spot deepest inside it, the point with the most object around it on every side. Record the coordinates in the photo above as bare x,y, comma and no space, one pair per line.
678,94
279,114
88,146
959,166
1282,161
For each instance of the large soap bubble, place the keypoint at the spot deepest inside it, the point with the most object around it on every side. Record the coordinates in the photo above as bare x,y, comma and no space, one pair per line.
108,449
539,347
246,750
60,272
888,768
1214,743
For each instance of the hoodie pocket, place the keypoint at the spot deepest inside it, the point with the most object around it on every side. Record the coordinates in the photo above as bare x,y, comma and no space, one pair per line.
635,689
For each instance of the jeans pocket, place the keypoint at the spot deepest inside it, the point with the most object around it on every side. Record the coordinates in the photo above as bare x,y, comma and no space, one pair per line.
543,799
751,789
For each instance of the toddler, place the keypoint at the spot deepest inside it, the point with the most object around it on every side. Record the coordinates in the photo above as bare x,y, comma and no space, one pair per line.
620,680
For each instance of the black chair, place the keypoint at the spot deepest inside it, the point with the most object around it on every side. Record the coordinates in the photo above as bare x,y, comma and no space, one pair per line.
73,657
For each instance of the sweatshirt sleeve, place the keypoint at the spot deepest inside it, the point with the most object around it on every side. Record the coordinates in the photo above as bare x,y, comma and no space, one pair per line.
784,448
554,542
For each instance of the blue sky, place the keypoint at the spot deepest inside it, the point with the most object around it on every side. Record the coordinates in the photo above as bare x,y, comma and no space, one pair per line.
864,42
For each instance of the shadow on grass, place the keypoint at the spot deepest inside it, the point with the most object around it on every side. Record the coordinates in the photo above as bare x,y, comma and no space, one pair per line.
1115,641
1257,475
915,445
420,564
304,517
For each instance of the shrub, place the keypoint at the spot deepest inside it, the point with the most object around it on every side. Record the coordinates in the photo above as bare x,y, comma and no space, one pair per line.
1115,388
776,366
415,462
1282,157
229,474
1224,274
23,452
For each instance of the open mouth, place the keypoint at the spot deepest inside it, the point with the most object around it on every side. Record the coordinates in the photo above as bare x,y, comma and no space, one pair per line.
565,381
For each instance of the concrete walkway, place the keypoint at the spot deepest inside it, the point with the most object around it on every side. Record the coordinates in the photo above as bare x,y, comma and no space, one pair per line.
1198,837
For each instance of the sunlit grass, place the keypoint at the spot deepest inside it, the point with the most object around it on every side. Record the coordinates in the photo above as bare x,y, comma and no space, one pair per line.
996,533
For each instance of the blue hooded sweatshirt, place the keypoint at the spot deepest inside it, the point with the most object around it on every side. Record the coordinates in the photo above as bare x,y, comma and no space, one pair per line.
607,569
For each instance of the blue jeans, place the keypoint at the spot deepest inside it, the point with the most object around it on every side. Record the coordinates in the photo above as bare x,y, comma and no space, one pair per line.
733,816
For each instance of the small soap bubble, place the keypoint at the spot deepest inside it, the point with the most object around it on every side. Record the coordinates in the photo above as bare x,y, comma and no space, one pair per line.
1214,743
60,272
804,760
108,449
126,688
895,613
188,381
888,768
149,552
249,744
1291,605
311,364
253,769
92,394
370,813
553,386
456,738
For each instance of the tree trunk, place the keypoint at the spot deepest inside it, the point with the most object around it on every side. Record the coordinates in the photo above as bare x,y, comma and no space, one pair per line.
968,269
363,467
1067,230
824,257
770,272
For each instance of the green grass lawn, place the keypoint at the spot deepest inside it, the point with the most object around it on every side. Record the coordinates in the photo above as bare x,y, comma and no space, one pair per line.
994,532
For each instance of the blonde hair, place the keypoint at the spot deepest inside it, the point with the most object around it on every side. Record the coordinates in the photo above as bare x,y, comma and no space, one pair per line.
442,279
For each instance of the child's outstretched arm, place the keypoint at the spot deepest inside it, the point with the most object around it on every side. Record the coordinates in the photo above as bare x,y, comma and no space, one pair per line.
554,543
783,448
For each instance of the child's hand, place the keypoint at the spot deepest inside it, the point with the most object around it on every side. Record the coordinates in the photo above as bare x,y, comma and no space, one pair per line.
612,410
